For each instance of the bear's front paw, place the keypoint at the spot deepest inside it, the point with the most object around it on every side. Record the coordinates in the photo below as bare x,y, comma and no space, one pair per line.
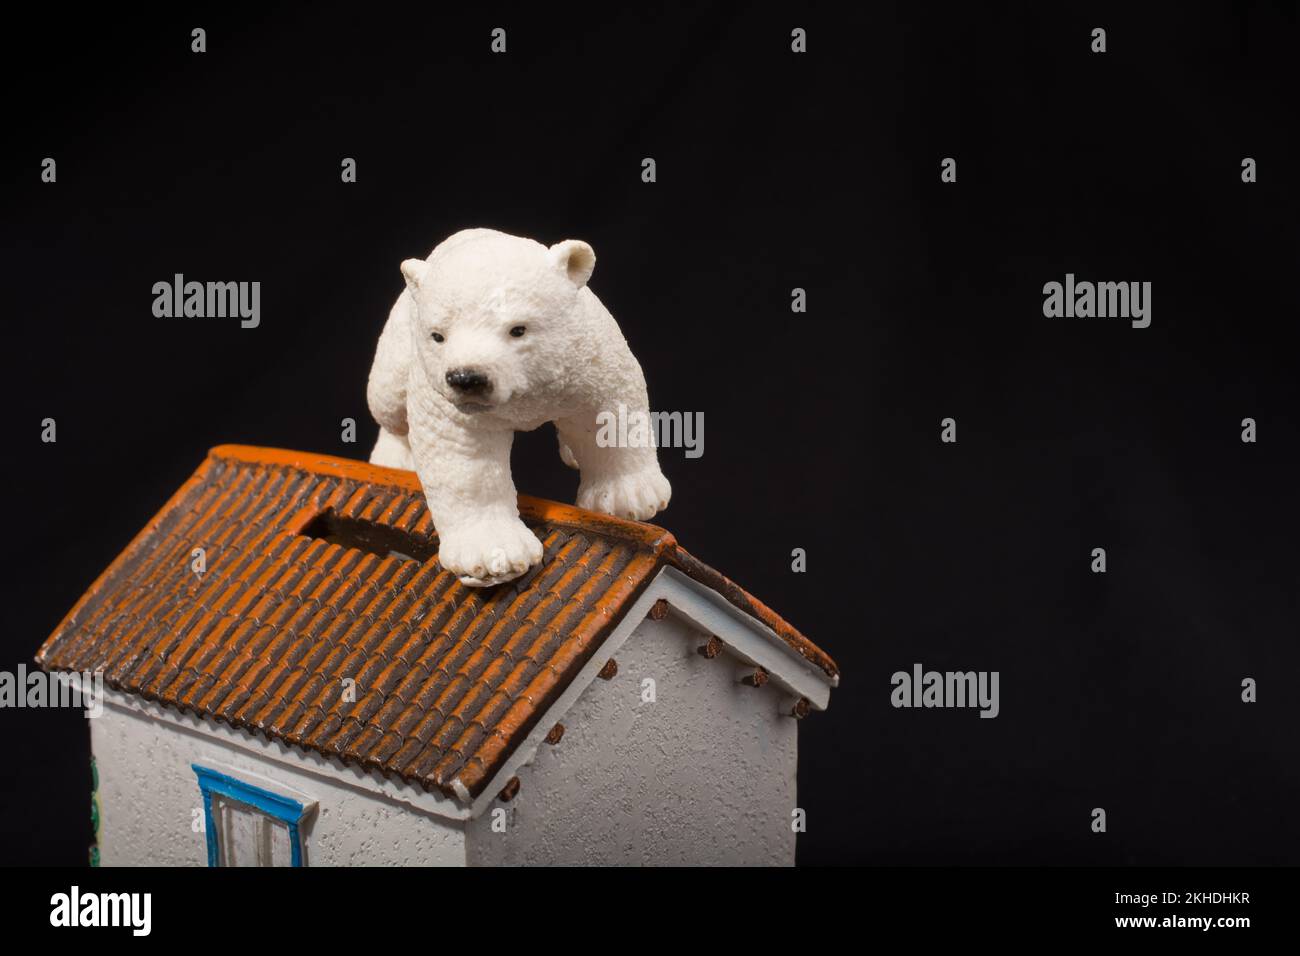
489,552
638,496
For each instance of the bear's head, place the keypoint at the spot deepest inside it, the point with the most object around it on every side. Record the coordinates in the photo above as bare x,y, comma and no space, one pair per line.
495,316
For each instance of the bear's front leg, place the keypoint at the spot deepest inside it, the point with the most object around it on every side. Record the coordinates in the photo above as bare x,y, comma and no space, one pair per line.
392,451
465,472
618,478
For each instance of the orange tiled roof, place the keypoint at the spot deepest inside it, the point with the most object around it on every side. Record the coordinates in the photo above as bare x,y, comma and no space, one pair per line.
448,679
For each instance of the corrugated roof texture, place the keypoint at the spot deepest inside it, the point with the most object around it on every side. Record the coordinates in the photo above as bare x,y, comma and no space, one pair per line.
357,652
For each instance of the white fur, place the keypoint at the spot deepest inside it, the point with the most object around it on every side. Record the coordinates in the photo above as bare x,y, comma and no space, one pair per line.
571,364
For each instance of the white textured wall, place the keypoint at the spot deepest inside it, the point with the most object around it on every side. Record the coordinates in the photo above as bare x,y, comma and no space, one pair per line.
148,792
705,775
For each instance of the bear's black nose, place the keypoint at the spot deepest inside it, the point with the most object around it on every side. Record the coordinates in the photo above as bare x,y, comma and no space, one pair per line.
468,380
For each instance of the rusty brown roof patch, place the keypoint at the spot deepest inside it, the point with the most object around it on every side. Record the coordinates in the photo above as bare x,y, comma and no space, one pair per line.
448,680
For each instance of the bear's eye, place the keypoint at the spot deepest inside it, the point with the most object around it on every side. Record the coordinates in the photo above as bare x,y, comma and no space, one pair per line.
518,331
437,336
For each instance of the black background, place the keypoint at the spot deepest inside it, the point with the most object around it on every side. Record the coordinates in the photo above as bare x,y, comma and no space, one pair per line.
775,170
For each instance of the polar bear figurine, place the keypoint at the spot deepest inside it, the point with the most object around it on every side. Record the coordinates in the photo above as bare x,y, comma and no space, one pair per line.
496,334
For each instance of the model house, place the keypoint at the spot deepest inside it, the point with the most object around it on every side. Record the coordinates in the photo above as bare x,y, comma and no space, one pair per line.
292,679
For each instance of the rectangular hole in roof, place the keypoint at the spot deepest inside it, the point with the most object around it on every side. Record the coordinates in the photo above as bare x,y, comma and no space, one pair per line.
371,537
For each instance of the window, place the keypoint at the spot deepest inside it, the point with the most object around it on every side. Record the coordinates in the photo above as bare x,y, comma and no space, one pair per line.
247,825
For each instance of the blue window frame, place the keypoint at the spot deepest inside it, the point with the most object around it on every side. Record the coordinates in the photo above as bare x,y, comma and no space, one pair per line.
284,809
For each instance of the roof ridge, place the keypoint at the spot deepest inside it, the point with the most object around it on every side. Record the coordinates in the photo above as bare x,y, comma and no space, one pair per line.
652,537
660,542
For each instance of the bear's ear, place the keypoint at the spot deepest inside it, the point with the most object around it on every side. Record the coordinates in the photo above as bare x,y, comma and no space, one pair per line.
413,271
575,259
